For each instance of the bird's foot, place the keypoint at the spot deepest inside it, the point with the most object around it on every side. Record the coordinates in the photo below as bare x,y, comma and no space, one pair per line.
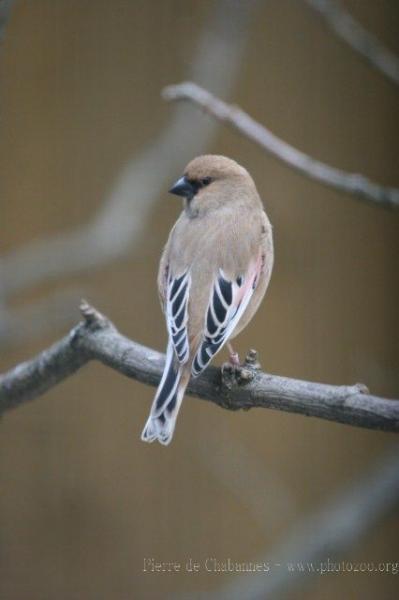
234,359
233,355
234,373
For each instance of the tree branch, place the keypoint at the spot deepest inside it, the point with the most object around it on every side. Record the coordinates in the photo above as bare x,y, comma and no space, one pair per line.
353,33
351,183
96,338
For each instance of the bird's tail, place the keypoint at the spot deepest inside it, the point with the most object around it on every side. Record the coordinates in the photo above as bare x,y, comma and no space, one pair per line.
165,407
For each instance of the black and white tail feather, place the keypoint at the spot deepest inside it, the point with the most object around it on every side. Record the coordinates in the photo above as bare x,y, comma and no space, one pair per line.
165,407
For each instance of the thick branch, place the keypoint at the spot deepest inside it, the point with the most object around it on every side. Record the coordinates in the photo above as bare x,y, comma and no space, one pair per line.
97,339
353,33
351,183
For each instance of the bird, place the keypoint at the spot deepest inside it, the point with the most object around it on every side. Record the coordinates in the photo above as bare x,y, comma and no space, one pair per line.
213,273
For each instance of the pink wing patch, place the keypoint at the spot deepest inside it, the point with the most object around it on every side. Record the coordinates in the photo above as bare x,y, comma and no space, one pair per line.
227,303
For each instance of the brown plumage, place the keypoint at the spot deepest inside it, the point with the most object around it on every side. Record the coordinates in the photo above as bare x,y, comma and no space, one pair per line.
213,274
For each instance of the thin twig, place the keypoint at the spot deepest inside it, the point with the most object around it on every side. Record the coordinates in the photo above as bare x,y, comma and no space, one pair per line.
351,183
97,339
353,33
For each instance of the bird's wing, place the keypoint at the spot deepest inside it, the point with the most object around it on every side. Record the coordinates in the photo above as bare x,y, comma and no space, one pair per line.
176,312
228,300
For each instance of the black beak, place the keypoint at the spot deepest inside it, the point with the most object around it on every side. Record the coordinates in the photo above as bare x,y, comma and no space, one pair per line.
183,187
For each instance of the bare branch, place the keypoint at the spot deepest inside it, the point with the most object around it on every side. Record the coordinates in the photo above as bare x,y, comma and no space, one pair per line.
353,33
325,535
351,183
97,339
121,219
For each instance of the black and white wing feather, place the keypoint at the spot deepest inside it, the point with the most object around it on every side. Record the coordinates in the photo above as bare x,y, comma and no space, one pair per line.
227,303
176,311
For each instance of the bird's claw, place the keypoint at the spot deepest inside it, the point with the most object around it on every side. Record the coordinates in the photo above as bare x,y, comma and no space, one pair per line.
234,359
233,375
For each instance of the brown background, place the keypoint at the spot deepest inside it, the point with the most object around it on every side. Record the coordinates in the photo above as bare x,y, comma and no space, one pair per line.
82,500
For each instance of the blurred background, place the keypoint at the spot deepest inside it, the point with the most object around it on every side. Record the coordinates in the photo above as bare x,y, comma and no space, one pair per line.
88,150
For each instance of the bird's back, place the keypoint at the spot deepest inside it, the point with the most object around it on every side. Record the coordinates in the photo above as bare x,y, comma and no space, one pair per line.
226,241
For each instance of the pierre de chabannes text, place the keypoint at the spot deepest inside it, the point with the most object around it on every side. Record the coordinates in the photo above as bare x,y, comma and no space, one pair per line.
228,565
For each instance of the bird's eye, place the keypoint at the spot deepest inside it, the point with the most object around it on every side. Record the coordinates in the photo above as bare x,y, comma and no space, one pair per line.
206,181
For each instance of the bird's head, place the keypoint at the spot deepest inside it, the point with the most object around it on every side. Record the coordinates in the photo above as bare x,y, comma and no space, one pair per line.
210,180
